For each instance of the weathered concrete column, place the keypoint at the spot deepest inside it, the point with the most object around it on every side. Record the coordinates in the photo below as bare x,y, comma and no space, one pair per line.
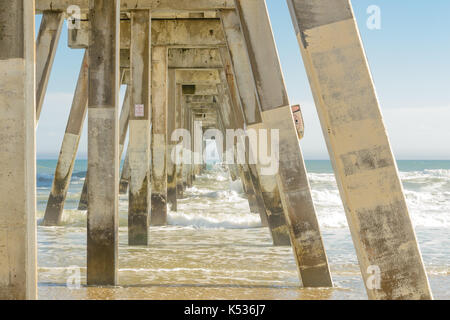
186,151
124,121
189,169
227,121
233,168
233,172
123,128
18,273
46,45
69,148
251,193
359,148
252,171
103,142
159,135
171,125
244,99
237,122
198,169
83,203
139,125
204,166
179,124
276,114
191,173
125,175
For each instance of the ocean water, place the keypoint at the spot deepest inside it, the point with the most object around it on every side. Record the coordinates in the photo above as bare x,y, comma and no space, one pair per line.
214,248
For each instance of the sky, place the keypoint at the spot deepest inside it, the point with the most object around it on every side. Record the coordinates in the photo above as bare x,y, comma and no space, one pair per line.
409,57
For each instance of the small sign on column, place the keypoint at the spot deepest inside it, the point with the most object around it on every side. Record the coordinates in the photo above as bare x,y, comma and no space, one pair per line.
139,111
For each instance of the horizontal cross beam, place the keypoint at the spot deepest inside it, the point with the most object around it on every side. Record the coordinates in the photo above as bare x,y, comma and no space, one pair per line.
168,32
198,77
127,5
192,58
200,89
201,99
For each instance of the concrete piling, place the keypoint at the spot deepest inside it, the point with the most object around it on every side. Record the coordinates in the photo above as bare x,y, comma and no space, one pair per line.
125,175
103,142
248,189
251,185
226,121
46,45
237,122
83,203
191,173
359,148
123,129
18,266
69,148
187,177
247,109
179,124
266,184
171,125
276,114
139,127
124,121
159,135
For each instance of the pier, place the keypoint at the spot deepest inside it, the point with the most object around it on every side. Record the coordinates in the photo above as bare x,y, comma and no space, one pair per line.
197,71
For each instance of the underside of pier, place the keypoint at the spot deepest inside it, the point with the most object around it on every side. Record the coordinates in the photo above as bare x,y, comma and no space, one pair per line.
198,71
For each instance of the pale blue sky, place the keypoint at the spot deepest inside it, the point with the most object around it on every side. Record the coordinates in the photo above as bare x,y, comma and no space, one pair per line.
409,59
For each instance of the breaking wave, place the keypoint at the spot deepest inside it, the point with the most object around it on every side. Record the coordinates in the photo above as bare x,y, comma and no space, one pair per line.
427,194
217,202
